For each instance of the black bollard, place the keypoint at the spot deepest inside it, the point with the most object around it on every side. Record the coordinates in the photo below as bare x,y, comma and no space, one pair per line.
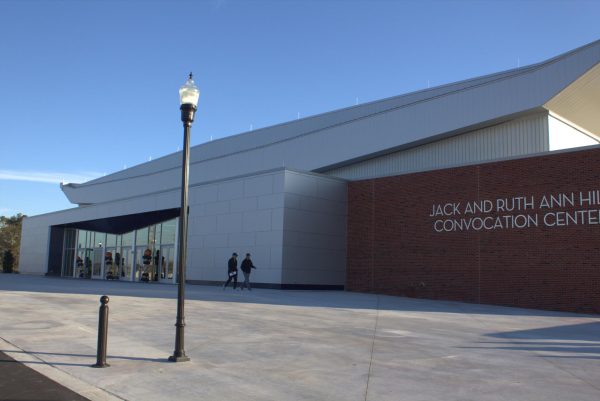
102,334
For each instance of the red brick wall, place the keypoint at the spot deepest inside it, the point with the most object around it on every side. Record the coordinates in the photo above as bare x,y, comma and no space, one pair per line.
394,249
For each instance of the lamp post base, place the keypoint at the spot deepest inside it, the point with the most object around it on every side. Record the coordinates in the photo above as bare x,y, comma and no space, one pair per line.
182,358
103,365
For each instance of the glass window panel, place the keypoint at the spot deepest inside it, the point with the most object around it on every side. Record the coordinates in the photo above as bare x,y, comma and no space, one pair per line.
111,240
168,232
126,257
100,239
82,240
142,237
97,257
151,234
68,252
83,263
68,263
157,239
127,239
70,238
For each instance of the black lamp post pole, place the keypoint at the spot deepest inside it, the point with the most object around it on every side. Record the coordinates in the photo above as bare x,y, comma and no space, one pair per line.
187,116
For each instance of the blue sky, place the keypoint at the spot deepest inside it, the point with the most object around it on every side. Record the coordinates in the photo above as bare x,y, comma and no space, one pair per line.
90,87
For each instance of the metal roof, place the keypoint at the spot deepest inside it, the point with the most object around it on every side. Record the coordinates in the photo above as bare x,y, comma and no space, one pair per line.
351,134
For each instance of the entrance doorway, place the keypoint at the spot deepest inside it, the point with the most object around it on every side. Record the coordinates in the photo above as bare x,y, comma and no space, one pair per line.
145,254
97,263
144,266
83,263
167,259
111,267
125,263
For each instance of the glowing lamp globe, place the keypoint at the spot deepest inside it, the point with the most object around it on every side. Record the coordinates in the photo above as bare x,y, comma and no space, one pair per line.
189,93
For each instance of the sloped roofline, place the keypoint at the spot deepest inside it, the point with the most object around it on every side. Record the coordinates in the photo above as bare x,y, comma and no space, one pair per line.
344,116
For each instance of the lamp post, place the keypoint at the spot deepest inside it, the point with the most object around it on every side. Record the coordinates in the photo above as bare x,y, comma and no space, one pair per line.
188,99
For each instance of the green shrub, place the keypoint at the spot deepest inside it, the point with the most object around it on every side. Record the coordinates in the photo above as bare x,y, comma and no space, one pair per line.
8,261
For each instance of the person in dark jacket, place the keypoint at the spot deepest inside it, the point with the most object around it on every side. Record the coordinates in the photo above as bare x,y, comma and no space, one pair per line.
247,267
232,271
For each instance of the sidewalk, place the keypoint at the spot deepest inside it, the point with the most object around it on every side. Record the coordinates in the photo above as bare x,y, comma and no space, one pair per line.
295,345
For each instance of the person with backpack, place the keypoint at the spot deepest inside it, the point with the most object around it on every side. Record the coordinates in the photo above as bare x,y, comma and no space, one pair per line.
247,267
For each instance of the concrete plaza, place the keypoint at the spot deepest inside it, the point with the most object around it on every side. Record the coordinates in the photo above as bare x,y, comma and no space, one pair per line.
295,345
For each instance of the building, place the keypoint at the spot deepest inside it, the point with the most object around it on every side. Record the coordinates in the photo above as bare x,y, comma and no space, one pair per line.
426,194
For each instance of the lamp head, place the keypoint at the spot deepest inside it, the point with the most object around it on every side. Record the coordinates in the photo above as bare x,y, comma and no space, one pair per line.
189,93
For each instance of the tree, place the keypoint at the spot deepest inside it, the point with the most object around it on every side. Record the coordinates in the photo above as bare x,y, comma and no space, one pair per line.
8,261
10,236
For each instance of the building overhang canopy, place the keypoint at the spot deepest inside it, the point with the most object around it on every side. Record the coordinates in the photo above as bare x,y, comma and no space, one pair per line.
126,223
579,102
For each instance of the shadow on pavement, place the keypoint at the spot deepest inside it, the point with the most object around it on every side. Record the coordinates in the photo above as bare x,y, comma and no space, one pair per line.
22,383
573,332
91,357
566,341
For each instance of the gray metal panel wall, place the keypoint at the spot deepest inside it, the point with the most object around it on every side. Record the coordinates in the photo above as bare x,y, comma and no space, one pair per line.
314,224
511,139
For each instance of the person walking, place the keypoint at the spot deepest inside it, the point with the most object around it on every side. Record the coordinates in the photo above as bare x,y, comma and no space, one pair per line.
247,267
232,271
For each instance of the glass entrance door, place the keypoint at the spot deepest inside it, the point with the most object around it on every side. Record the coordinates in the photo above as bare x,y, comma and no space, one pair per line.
83,263
111,267
89,255
97,263
166,263
144,268
125,263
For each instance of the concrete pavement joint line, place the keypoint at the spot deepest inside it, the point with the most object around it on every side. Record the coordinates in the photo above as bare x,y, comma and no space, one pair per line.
58,375
372,348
